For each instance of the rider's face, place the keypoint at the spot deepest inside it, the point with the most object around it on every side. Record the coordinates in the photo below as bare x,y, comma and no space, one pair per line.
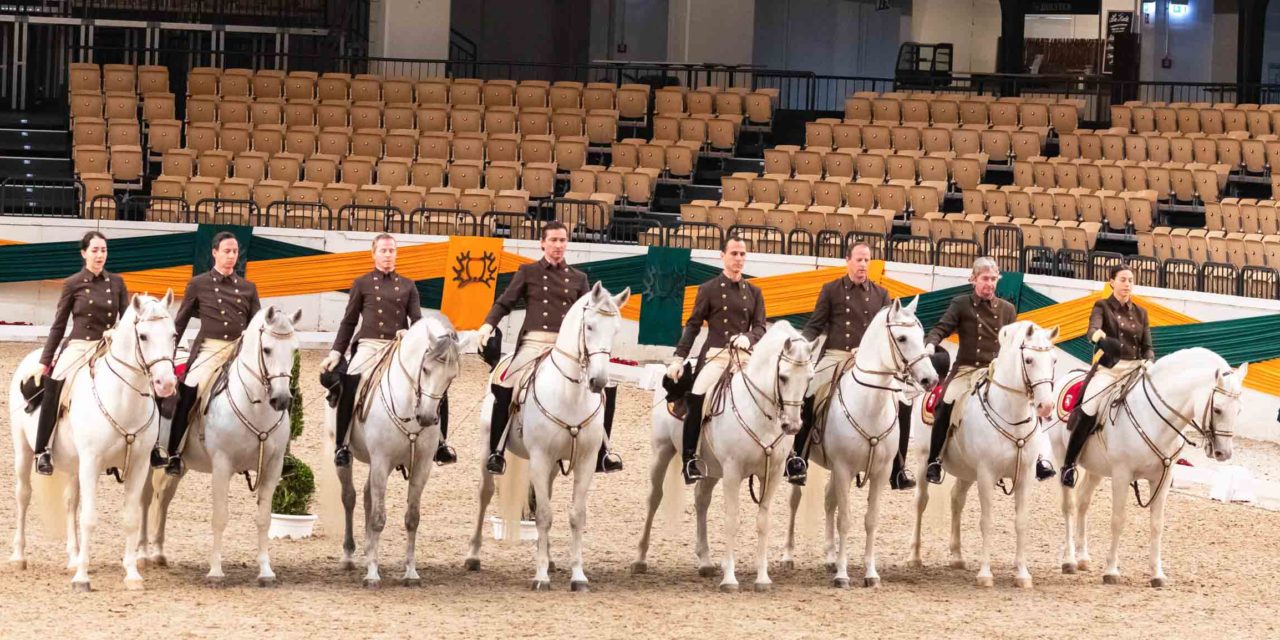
553,245
734,257
384,255
858,263
226,254
984,284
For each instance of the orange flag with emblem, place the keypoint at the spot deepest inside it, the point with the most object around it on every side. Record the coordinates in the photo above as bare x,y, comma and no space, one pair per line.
470,279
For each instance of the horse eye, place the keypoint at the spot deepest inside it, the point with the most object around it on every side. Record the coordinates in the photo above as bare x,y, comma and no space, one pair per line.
143,337
1028,360
902,339
1217,411
266,351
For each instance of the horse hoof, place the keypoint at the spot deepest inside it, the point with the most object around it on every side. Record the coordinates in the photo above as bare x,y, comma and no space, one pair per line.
986,581
579,586
412,582
831,567
729,588
471,564
80,587
638,568
763,587
160,561
20,565
347,565
917,563
957,564
267,583
372,584
1159,583
134,585
551,566
142,563
541,585
1022,583
789,565
1110,578
1069,568
215,581
1082,565
707,572
871,583
840,583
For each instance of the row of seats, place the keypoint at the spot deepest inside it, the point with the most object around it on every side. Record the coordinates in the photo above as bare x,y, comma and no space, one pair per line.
1048,234
1203,245
845,165
1190,182
775,190
124,78
1238,153
756,105
950,110
1243,215
1250,119
1128,211
829,133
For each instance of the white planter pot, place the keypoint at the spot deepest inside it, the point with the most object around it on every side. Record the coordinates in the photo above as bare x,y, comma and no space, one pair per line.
528,529
296,527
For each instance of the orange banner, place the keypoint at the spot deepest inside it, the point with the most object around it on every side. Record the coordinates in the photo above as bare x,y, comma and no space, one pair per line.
470,279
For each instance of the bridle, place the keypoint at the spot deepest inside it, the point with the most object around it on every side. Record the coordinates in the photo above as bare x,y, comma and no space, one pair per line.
263,377
388,399
582,360
1004,426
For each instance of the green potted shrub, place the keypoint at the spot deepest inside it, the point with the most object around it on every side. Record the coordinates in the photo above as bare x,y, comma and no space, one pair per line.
290,504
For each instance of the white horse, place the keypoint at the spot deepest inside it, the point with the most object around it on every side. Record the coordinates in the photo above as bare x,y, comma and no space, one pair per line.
245,429
1192,388
861,435
997,437
561,418
400,429
750,426
111,422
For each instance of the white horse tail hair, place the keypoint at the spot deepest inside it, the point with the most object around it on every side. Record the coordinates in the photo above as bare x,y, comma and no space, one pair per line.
811,516
48,503
937,515
513,496
328,488
671,509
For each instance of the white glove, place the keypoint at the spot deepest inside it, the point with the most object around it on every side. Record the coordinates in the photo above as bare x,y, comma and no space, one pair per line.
32,371
483,334
741,342
400,333
675,369
929,349
330,361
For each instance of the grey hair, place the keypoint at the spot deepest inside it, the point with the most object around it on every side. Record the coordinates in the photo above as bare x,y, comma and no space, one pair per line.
985,264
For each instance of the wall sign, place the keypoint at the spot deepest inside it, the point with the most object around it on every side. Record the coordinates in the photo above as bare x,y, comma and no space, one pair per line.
1069,7
1117,22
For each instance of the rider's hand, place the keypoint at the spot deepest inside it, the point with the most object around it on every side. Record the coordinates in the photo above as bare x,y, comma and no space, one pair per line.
330,361
483,334
675,369
32,371
741,342
929,348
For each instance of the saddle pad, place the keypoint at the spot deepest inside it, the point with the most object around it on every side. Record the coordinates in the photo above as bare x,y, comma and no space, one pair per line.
931,402
1071,394
499,372
678,409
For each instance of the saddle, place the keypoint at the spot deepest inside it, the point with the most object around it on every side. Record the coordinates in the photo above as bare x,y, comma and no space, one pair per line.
822,401
1072,393
939,391
676,392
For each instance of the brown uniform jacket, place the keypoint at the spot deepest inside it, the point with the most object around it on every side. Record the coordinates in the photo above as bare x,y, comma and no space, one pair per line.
843,312
1126,323
224,305
978,323
547,292
728,308
382,304
92,303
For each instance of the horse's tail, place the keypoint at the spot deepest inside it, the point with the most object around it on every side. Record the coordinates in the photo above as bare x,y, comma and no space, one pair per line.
811,514
328,487
47,501
513,496
671,508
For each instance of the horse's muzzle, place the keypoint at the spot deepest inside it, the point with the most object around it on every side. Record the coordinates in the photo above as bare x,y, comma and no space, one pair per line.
164,387
597,385
429,420
281,402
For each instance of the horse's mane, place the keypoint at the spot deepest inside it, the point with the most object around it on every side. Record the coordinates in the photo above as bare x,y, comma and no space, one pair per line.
1191,358
437,325
151,310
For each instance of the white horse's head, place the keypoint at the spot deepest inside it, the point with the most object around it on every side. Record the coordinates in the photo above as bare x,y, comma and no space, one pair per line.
906,342
588,330
433,343
781,363
145,338
1223,409
269,343
1028,350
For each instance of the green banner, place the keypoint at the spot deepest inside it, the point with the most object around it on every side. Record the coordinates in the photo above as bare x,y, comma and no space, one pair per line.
57,260
666,273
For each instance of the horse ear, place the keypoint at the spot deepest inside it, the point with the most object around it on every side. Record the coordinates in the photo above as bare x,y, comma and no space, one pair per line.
1242,371
622,298
893,308
168,298
297,315
136,303
1053,335
1031,329
911,306
596,290
271,314
786,346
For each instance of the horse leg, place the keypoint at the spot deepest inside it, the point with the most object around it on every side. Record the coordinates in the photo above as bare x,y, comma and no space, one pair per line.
147,499
763,583
578,521
839,490
266,488
540,469
1157,532
88,520
71,505
1119,502
871,521
959,493
22,463
662,454
221,483
132,517
168,489
348,518
413,516
1068,521
1021,518
1084,498
986,485
702,505
830,500
732,491
922,502
375,517
487,487
788,551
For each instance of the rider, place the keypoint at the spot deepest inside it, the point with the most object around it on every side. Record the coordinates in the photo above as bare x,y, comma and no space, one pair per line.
547,288
1120,329
845,307
225,302
383,303
93,299
977,318
733,310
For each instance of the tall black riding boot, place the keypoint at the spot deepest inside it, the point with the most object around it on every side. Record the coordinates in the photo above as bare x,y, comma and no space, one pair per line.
608,461
1084,426
445,453
797,468
44,425
900,479
497,463
937,439
178,429
692,431
346,411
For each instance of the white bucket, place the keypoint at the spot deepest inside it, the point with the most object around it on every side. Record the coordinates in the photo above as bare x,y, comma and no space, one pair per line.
528,529
296,527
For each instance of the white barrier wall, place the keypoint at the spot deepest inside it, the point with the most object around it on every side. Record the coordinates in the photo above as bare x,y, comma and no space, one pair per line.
33,302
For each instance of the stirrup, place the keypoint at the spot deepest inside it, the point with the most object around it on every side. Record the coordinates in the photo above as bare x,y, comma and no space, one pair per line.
610,462
44,463
496,465
174,466
1069,476
797,470
692,472
902,481
1044,470
158,458
342,457
445,454
933,472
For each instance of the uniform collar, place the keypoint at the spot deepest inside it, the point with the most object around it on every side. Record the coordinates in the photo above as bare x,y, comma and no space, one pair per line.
740,281
88,275
850,284
546,264
977,301
219,278
389,275
1123,306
